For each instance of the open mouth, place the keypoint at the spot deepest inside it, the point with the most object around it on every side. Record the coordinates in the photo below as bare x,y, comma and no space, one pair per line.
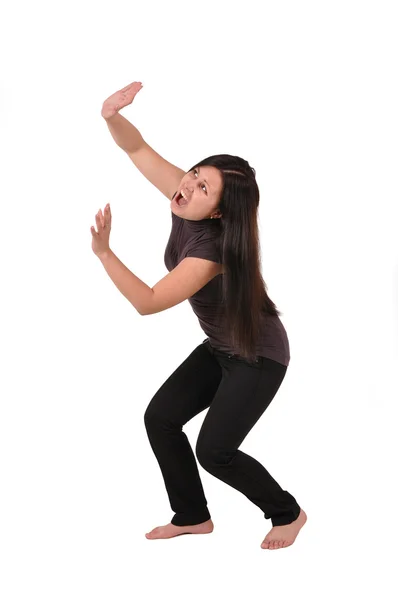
180,200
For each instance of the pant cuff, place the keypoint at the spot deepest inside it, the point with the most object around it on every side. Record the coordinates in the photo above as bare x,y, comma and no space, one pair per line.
191,518
286,518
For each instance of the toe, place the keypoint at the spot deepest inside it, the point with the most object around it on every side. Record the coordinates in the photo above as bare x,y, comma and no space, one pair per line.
152,533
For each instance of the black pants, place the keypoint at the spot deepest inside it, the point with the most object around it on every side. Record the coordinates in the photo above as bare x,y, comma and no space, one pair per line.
237,393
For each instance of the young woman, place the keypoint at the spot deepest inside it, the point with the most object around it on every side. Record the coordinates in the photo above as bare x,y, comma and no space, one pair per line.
213,259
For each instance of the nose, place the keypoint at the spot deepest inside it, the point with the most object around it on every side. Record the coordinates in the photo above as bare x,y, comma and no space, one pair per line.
189,189
191,186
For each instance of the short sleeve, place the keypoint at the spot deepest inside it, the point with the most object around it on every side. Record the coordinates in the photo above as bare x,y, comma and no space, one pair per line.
206,249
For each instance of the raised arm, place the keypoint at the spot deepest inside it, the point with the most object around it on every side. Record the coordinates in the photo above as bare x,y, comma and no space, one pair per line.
165,176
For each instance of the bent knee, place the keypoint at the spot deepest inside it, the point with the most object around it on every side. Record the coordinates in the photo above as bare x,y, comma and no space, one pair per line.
152,417
210,456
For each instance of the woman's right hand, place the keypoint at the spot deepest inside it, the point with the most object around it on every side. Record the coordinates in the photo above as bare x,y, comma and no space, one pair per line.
120,99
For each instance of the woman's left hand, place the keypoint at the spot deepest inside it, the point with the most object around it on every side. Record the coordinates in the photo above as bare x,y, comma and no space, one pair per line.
100,243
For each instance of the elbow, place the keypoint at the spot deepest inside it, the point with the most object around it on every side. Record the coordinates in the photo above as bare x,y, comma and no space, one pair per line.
143,307
142,312
146,309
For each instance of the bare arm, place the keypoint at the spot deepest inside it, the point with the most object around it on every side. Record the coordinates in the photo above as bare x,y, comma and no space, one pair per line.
165,176
187,278
132,287
126,136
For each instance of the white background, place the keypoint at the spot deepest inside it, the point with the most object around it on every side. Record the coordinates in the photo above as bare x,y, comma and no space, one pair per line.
307,93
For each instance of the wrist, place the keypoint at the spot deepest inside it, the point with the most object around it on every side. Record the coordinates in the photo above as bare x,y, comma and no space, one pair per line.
104,255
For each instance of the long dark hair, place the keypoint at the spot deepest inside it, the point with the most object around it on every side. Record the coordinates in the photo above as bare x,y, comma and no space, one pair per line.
244,290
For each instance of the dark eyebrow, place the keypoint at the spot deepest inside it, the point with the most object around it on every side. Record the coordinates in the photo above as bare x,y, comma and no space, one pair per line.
204,179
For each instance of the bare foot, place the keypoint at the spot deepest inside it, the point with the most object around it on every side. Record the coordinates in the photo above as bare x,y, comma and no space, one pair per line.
170,530
281,536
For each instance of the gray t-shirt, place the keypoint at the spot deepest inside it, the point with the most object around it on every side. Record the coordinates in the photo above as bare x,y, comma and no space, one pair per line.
200,239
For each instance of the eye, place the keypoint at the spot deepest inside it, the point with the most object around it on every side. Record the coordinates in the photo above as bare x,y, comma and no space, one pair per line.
195,171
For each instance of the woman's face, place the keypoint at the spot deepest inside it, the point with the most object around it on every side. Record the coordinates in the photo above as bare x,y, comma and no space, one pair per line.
202,187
